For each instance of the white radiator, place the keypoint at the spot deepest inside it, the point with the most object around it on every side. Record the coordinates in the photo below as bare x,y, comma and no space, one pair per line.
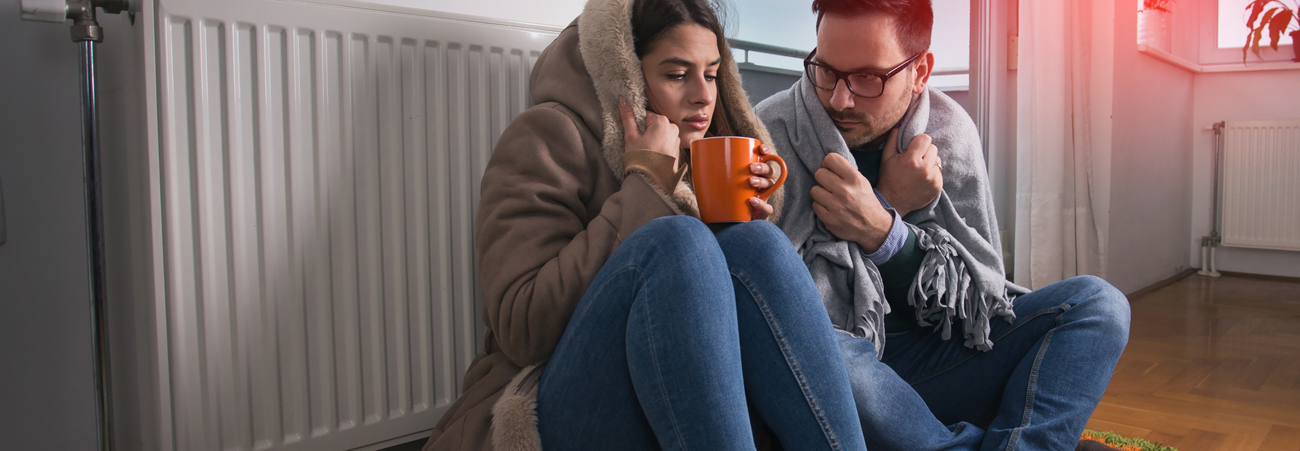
1261,184
317,168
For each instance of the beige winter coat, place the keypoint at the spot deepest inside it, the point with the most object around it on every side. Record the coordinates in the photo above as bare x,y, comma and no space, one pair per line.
555,204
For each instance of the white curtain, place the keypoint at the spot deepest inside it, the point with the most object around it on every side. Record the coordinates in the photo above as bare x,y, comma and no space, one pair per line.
1064,91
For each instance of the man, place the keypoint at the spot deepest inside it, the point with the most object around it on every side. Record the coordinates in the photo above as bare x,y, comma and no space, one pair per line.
888,201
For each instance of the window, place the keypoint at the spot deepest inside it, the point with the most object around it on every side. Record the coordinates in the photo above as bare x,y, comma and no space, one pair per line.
1232,25
950,42
1222,32
780,23
792,25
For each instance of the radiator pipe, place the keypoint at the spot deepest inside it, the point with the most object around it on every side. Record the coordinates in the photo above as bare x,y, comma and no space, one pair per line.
1211,242
95,240
86,32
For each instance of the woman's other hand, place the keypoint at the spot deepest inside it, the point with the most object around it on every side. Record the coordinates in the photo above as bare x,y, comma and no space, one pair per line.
759,209
764,174
660,135
764,177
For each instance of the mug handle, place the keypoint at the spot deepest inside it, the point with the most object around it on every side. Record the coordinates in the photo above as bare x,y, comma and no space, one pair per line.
779,181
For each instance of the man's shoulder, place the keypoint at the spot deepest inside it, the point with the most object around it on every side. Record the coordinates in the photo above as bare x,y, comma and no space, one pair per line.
776,104
948,120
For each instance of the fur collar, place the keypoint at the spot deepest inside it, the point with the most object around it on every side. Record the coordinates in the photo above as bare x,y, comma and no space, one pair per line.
514,416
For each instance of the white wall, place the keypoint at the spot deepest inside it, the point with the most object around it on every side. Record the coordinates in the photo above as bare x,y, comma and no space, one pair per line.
1162,171
1226,96
1150,164
47,397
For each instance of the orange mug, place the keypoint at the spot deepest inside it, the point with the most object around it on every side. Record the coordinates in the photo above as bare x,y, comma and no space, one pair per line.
720,173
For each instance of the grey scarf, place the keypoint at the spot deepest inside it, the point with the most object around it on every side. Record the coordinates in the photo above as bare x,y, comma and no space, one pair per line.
961,277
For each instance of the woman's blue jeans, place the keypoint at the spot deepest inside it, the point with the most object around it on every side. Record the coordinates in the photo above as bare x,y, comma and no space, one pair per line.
683,333
1033,391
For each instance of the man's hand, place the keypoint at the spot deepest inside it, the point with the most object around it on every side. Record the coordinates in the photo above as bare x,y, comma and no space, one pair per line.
845,202
911,180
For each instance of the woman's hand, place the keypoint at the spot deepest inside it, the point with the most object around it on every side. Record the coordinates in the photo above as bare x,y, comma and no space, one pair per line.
764,178
759,209
660,135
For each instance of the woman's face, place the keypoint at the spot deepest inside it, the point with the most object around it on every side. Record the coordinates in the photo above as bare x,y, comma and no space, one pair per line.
681,71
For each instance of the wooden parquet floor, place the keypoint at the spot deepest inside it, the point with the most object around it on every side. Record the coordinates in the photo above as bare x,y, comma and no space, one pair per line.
1211,364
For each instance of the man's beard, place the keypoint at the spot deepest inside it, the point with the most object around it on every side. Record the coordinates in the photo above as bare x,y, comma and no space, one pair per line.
872,129
857,138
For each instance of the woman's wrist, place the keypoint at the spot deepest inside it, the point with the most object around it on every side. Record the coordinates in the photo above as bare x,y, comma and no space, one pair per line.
661,169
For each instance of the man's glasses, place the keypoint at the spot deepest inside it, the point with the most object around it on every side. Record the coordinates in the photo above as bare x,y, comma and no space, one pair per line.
869,85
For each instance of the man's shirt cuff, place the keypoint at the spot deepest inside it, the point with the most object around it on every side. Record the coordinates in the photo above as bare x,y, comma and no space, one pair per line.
896,238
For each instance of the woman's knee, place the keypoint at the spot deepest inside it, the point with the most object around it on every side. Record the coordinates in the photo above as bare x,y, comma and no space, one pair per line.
672,226
751,233
758,243
676,246
672,235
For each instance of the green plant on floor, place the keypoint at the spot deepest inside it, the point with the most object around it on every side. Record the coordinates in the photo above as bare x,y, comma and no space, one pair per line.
1123,443
1274,17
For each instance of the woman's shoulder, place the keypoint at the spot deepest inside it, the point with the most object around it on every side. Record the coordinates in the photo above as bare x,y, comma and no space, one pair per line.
548,112
546,135
548,123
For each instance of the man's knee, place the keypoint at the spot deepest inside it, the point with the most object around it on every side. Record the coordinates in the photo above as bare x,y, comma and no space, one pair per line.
859,354
1102,303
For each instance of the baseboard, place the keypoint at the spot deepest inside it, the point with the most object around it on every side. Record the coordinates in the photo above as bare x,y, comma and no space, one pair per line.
1161,284
410,442
1248,275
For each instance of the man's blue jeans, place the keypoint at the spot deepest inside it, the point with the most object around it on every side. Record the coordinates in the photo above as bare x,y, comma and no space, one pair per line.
682,332
1033,391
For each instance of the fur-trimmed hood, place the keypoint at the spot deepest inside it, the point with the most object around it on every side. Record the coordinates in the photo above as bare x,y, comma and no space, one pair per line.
593,62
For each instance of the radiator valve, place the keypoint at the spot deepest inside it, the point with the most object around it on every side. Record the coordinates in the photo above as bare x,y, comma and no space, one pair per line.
85,26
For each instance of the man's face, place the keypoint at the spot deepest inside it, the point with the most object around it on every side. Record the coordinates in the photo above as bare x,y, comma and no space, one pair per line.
867,43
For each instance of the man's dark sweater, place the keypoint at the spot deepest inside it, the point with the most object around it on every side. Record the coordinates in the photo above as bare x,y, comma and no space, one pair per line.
896,274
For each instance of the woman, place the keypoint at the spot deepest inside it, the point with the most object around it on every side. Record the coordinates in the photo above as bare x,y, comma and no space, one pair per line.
617,320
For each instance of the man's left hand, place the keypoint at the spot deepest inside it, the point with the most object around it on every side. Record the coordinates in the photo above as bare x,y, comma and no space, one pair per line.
846,203
910,180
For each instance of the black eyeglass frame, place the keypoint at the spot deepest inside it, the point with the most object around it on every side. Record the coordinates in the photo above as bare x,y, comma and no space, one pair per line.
808,64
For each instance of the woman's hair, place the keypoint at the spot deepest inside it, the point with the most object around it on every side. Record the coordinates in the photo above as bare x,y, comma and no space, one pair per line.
651,18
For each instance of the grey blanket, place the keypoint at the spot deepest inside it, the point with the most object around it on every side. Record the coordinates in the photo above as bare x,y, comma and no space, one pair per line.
961,277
